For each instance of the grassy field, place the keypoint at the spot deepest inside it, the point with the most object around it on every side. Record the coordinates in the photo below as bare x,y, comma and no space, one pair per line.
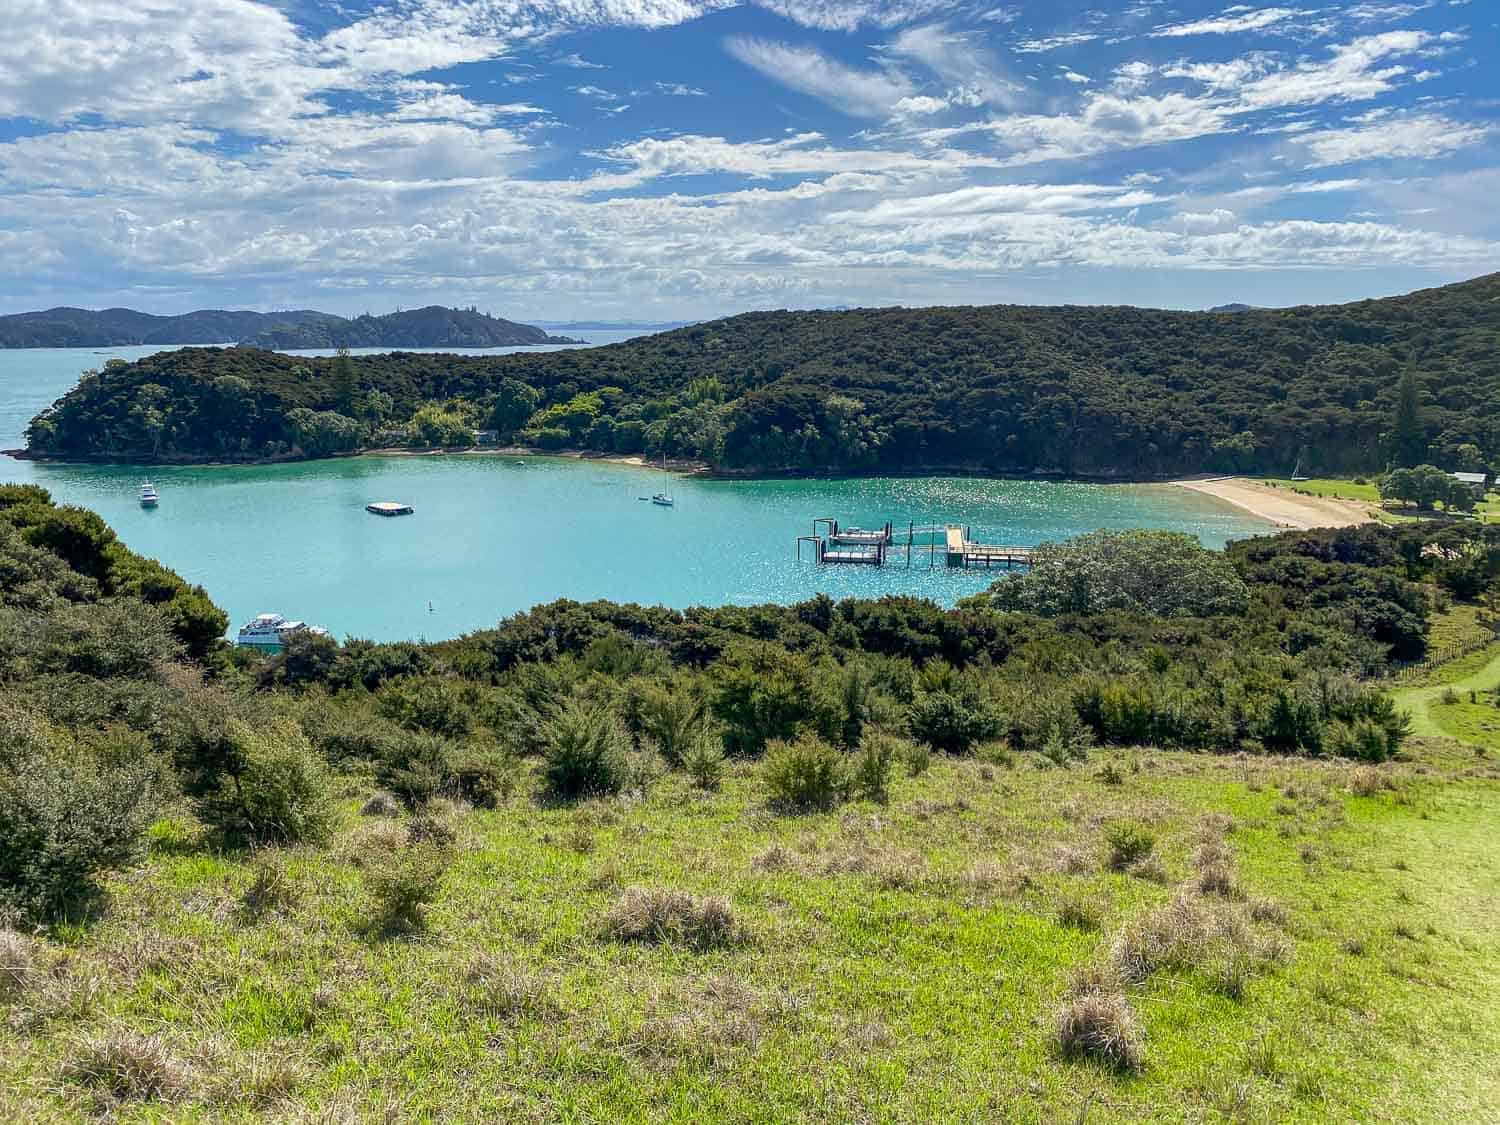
1488,510
1333,954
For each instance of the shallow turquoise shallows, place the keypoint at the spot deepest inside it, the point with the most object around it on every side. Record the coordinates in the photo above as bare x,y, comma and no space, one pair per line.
491,536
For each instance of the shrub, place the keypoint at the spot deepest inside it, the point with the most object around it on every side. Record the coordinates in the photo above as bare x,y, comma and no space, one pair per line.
484,778
67,813
127,1066
1100,1026
872,766
402,886
703,761
671,916
1128,844
670,717
916,757
281,793
951,724
417,766
1366,781
807,774
586,751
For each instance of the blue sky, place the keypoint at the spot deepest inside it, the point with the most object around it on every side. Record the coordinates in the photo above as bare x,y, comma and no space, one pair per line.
556,159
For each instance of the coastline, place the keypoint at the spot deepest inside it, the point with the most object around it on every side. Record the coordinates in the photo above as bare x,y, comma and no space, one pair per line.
1282,508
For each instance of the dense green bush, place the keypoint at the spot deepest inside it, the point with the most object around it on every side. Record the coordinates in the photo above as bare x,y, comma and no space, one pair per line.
952,723
403,885
806,775
280,793
68,811
586,751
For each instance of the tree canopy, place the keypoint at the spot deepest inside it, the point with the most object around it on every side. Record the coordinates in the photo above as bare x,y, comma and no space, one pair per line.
1002,389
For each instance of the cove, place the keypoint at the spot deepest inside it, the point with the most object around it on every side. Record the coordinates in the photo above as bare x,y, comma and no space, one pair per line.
491,537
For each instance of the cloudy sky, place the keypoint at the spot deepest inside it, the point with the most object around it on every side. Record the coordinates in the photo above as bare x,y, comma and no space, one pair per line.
553,159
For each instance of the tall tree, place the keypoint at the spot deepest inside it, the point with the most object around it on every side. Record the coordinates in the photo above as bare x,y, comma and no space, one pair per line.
1409,434
345,383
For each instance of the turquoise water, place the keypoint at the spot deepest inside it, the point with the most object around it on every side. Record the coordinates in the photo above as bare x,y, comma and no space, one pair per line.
491,537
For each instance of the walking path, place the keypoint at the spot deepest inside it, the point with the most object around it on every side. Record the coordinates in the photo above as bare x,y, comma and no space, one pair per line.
1417,700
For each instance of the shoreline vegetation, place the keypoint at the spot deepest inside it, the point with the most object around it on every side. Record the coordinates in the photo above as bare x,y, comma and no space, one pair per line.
1121,828
1050,392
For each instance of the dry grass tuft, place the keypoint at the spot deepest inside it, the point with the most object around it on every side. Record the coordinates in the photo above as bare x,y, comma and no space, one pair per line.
1070,860
664,915
1268,910
1366,781
271,889
1215,825
17,961
1079,912
1151,869
1217,879
778,857
127,1066
381,803
891,868
498,987
1183,933
1101,1026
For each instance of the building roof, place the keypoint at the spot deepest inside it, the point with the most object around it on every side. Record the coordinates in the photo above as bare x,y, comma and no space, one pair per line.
1470,478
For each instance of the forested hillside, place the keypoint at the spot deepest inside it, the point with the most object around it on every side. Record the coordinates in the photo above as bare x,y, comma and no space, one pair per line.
1095,391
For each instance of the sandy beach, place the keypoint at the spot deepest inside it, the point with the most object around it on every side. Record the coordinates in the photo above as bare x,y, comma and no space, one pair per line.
1282,506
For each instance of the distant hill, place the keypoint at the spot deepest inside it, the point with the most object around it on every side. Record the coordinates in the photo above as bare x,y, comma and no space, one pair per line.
1236,307
1005,389
432,327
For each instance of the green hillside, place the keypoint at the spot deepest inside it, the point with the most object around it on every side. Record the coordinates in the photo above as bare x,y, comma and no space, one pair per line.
1106,391
1094,846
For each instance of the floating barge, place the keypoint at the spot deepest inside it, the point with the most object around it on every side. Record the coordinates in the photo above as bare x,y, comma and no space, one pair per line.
836,545
389,508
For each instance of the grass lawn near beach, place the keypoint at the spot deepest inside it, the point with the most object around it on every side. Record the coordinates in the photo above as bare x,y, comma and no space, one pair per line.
1332,954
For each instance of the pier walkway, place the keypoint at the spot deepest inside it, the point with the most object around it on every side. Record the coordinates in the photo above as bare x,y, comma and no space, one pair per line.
833,544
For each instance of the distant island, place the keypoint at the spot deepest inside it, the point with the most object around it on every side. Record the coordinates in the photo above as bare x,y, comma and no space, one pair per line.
1237,306
1005,390
432,327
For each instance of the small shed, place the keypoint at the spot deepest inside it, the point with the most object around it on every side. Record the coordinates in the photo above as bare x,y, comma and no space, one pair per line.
486,437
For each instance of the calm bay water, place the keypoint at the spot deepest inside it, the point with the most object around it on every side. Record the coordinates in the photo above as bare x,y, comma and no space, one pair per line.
492,536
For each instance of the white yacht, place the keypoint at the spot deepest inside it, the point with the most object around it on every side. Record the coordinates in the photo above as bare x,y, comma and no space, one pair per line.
149,498
270,631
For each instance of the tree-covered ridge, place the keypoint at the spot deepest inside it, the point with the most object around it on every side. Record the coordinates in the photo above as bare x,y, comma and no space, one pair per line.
430,327
1103,391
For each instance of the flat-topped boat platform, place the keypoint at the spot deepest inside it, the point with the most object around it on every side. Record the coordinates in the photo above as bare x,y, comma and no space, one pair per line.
389,508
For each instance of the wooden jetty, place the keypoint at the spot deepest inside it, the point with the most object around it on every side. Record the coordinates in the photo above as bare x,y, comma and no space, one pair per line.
833,544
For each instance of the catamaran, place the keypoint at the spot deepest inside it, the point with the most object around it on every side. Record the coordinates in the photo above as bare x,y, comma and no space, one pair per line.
270,631
149,498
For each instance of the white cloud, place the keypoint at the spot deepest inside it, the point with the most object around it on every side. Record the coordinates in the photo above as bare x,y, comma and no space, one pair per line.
578,62
1423,136
1053,42
860,93
850,15
959,59
1231,22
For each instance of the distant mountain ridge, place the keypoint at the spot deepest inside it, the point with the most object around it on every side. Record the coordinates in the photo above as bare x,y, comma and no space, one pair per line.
432,327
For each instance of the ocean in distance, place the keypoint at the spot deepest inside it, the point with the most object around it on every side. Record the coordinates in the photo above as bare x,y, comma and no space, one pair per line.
491,537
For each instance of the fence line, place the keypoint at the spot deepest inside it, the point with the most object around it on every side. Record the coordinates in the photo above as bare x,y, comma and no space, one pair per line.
1443,656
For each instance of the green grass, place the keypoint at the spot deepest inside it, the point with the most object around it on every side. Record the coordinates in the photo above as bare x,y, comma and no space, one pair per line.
1328,487
905,961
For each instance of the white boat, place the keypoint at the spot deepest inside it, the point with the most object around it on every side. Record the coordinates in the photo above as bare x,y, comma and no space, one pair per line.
664,497
149,498
270,631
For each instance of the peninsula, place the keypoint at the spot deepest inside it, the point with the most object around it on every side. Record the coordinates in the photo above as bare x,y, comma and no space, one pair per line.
1105,392
430,327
